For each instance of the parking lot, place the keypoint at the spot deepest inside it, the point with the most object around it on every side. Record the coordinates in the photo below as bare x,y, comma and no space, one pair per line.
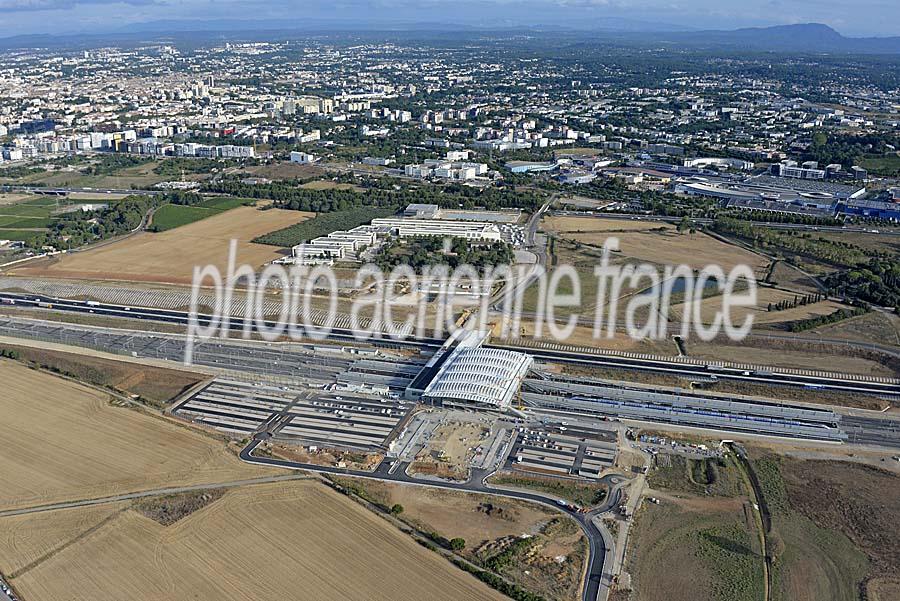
562,451
235,407
295,415
344,421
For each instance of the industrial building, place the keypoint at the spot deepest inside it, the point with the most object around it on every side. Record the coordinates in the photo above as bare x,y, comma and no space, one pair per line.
810,193
873,209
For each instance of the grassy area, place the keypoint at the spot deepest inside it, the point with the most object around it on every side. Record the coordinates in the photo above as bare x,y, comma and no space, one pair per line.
26,236
703,532
813,557
886,165
695,476
14,222
577,492
225,203
27,219
171,216
323,224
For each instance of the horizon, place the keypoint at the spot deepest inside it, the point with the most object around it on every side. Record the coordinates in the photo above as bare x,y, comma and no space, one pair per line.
867,18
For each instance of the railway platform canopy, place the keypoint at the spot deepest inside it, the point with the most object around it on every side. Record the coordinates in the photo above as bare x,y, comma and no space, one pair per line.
482,378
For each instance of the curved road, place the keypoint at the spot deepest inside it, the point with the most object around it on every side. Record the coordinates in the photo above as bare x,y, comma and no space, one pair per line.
595,579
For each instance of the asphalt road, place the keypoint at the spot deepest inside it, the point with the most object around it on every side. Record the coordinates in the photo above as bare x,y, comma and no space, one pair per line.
63,190
764,224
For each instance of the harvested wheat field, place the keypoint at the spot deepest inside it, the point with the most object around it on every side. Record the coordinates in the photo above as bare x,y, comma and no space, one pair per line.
294,540
64,441
170,256
26,539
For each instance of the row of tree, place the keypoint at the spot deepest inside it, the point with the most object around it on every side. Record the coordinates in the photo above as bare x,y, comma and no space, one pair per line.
815,322
798,301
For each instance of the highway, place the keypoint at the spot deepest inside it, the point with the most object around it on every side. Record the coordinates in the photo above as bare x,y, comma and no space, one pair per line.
62,191
706,221
702,372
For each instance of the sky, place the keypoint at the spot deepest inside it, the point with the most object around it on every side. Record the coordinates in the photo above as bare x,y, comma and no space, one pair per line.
854,18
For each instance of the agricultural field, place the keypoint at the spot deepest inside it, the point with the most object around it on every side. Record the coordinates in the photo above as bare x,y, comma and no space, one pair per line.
834,527
703,532
654,242
578,242
170,216
788,276
170,256
875,243
138,176
321,225
583,335
257,542
876,327
565,225
327,184
65,441
282,171
788,355
23,217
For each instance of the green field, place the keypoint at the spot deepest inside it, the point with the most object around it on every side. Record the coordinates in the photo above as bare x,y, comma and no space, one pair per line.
171,216
323,224
18,221
15,222
702,532
887,165
225,203
19,235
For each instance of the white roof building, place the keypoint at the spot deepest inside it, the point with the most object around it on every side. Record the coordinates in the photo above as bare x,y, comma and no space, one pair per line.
482,376
471,230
